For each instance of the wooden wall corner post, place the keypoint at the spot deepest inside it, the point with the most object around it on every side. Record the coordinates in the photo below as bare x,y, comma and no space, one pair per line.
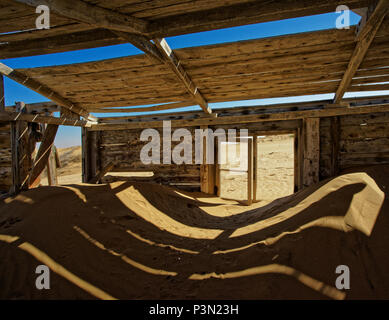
255,168
207,171
17,132
311,151
2,95
85,163
335,150
90,155
296,160
250,171
52,176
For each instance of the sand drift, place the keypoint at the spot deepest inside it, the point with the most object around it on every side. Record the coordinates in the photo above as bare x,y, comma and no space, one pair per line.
145,241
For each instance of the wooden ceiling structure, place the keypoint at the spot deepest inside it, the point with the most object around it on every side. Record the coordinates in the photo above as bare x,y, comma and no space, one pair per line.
330,61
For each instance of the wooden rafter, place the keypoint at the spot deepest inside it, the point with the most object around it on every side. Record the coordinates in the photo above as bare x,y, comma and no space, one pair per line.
142,43
174,63
161,52
243,14
289,115
365,38
94,15
43,90
17,116
77,36
161,107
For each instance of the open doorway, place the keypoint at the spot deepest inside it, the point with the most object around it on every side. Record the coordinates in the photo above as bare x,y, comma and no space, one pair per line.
275,167
257,169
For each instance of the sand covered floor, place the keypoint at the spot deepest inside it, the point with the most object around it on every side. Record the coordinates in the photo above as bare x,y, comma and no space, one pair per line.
144,241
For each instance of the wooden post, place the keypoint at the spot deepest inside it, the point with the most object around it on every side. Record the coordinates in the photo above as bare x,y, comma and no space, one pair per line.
204,168
300,156
296,160
255,166
2,96
311,151
16,135
52,177
335,139
250,172
15,157
85,162
43,154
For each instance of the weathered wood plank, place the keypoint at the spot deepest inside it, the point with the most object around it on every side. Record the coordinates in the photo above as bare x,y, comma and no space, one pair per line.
43,153
41,89
2,97
171,59
311,151
94,15
292,115
365,38
335,145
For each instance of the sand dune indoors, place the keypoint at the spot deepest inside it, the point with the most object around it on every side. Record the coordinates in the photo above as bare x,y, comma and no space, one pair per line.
145,241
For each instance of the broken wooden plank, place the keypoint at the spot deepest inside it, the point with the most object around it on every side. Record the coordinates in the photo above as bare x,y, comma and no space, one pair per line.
43,153
109,167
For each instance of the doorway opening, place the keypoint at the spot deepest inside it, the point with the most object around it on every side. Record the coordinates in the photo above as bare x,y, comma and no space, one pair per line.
258,168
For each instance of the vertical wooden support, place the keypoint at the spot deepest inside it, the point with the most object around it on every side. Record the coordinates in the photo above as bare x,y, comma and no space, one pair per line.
296,160
217,168
85,162
52,177
300,157
2,96
15,157
43,154
204,167
94,168
250,175
255,168
311,151
335,138
90,167
207,171
19,142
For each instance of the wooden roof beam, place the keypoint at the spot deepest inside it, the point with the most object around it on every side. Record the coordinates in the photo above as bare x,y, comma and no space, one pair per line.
174,63
364,38
244,14
91,14
36,86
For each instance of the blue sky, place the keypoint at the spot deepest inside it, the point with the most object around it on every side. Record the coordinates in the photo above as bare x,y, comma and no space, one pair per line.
69,136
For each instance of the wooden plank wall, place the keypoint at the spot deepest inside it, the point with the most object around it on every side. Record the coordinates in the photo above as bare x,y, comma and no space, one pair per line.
5,157
353,141
323,149
124,148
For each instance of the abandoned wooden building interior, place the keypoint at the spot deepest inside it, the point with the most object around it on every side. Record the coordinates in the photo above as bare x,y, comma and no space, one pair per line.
330,135
113,100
